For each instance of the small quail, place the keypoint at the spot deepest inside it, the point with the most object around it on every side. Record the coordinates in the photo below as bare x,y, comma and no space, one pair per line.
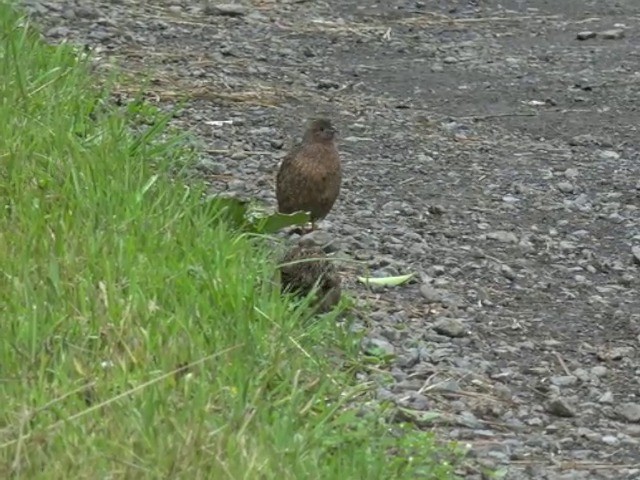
310,175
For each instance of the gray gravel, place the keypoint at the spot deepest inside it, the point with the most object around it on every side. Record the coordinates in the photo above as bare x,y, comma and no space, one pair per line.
491,148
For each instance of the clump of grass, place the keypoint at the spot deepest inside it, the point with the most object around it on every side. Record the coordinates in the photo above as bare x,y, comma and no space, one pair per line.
141,334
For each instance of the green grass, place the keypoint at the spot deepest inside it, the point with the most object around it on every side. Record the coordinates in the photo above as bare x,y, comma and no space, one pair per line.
113,276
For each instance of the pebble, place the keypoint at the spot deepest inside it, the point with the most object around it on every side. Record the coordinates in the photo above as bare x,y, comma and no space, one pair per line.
613,34
564,381
430,294
226,9
586,35
606,397
503,236
451,327
561,407
629,412
373,346
566,187
609,155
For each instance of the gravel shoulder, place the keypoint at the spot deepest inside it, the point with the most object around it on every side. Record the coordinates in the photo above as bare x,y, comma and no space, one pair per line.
485,148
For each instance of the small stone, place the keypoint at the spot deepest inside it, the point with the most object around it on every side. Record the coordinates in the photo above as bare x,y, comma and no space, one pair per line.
616,353
87,12
613,34
629,411
582,374
564,380
431,295
610,440
599,371
561,408
318,238
635,250
508,272
226,10
609,155
585,140
588,434
469,420
503,236
451,327
586,35
385,395
571,173
566,187
327,84
58,32
606,397
567,246
376,346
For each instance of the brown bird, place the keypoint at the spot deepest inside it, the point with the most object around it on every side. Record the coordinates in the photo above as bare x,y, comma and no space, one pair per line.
300,278
310,175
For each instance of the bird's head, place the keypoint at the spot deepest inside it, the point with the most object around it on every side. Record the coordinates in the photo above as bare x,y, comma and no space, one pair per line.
320,130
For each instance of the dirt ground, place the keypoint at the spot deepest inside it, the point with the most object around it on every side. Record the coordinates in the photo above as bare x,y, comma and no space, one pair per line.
485,148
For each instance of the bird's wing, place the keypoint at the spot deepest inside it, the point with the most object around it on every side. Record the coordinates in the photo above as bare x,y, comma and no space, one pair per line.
289,158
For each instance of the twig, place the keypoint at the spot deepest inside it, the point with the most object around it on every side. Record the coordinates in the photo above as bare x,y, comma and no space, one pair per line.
562,364
449,20
578,465
497,115
246,152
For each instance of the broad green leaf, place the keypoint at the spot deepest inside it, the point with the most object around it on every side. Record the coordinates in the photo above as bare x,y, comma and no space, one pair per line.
277,221
386,281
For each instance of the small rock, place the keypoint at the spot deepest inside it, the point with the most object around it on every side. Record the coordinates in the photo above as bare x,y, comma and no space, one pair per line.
411,359
629,412
451,327
383,394
582,374
586,35
564,380
508,272
610,440
606,397
609,155
585,140
431,295
469,420
226,10
635,250
599,371
616,353
58,32
327,84
613,34
588,434
571,173
566,187
561,408
374,346
503,236
318,238
86,12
